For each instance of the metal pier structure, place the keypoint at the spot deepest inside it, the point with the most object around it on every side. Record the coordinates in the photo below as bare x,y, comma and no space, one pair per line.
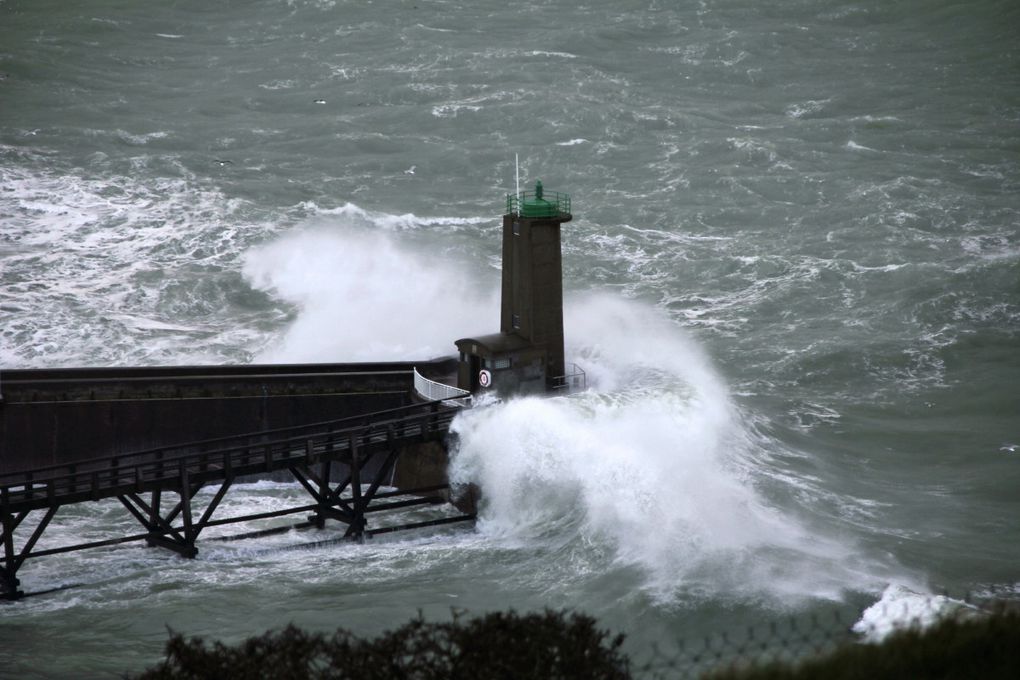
158,487
143,422
61,415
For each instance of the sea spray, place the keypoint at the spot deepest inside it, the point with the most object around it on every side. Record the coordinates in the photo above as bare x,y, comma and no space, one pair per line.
653,466
362,297
655,470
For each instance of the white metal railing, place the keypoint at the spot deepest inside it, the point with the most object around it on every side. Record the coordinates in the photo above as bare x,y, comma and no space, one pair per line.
576,380
430,390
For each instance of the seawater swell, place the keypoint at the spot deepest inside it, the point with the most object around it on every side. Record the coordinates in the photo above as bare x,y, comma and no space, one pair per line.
799,222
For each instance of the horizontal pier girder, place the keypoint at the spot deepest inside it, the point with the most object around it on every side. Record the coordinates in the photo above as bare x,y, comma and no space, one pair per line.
297,510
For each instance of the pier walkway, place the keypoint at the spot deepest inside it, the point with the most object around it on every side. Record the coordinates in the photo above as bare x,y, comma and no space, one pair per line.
157,487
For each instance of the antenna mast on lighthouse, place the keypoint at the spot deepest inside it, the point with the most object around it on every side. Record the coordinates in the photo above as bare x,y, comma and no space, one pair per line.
517,172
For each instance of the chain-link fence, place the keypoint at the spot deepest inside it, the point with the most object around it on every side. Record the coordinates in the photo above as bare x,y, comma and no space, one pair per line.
788,641
796,640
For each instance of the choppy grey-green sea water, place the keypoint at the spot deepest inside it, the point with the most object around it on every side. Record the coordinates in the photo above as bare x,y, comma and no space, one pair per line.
793,277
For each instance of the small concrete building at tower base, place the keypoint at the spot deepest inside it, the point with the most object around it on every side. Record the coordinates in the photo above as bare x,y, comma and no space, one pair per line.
505,362
526,356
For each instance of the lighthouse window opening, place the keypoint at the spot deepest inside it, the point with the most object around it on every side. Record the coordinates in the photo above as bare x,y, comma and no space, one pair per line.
517,228
515,320
501,363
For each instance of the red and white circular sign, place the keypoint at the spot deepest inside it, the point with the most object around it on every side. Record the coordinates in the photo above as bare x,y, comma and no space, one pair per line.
484,378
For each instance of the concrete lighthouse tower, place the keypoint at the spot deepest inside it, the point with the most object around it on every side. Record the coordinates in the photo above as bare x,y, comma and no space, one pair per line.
526,356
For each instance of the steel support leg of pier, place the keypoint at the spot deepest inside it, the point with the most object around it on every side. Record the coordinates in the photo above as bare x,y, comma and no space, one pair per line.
356,529
9,586
360,501
12,561
162,533
8,580
329,503
319,518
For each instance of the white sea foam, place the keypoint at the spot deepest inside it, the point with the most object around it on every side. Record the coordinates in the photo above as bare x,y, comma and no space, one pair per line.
545,53
854,146
875,119
883,268
754,148
807,108
991,247
469,104
901,607
453,110
86,275
652,465
808,416
279,84
692,55
140,323
353,215
127,137
434,28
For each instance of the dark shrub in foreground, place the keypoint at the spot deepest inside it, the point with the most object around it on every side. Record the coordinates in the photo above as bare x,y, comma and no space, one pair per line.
561,646
498,645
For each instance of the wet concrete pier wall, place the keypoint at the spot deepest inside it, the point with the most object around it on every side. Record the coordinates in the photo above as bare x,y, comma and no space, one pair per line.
57,416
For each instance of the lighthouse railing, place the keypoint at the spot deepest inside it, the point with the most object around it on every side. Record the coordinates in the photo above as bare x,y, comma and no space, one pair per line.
538,204
575,380
430,390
